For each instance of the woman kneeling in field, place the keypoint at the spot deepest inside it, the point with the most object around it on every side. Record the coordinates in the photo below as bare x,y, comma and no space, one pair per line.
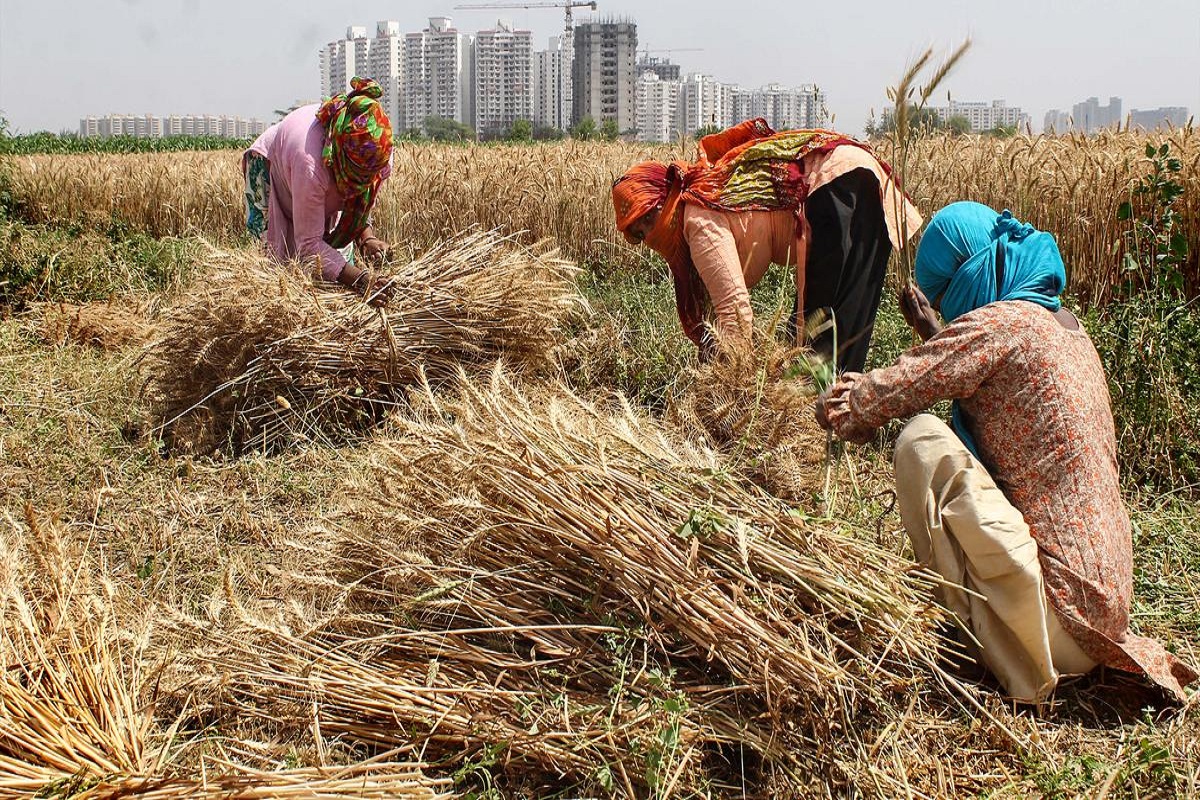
1020,503
815,200
312,178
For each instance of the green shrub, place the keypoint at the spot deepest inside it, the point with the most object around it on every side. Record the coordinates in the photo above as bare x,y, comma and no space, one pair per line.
49,263
1149,344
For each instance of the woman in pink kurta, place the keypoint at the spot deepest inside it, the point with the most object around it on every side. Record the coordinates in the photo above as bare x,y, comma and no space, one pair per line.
1022,503
313,177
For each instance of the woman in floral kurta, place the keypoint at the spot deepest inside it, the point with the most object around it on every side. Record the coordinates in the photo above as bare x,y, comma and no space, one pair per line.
1023,505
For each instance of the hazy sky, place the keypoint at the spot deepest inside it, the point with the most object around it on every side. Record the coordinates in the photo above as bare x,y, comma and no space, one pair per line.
61,60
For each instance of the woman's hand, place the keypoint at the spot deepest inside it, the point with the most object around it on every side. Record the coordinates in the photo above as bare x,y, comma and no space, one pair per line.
375,289
373,249
918,313
834,400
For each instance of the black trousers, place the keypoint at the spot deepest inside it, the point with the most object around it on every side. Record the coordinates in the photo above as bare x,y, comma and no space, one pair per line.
847,263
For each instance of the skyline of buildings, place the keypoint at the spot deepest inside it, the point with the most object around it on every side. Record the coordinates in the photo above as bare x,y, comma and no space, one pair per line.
151,126
1090,117
490,79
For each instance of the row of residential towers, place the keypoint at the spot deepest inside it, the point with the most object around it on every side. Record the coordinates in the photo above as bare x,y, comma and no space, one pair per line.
490,79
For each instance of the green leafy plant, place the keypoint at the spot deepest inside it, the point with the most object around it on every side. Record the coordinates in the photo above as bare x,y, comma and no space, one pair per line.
1156,242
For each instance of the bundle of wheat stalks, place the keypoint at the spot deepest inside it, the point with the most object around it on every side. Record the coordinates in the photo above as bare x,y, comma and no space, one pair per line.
753,402
259,356
569,596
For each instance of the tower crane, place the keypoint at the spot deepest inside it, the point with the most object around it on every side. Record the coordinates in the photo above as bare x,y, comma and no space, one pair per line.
668,50
568,6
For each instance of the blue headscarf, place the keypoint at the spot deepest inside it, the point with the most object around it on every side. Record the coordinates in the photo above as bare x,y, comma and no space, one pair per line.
957,260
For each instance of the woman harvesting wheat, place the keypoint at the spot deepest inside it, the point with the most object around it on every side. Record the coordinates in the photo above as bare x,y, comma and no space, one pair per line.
312,178
1020,503
815,200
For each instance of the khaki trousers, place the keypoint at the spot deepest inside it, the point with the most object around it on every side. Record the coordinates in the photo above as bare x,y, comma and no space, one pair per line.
963,527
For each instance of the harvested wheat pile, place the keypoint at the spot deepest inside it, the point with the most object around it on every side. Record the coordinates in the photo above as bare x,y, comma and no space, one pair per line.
570,596
258,356
78,704
754,404
108,325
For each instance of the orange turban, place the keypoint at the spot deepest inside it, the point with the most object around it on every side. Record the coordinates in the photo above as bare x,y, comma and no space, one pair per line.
639,191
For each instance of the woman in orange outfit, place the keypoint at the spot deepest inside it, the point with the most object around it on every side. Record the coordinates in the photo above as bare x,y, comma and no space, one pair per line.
814,200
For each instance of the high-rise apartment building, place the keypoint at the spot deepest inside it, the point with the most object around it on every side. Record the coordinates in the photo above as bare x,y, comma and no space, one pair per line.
438,74
984,116
1090,116
704,102
657,108
386,66
1159,118
786,107
1086,117
341,60
605,72
661,67
1056,121
553,98
745,104
504,90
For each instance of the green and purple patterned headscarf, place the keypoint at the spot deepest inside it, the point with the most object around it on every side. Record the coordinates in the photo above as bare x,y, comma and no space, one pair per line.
358,147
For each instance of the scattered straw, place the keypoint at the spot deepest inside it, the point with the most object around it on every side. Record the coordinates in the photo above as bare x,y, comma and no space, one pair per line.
108,325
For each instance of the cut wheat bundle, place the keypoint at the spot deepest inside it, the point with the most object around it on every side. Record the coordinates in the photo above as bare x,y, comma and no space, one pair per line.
557,539
258,356
754,403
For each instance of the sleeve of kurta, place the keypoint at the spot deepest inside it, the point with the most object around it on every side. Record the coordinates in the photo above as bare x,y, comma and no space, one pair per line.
714,252
950,366
309,222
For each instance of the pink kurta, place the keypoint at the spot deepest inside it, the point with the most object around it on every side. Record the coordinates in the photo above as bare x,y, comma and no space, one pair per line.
304,199
1037,403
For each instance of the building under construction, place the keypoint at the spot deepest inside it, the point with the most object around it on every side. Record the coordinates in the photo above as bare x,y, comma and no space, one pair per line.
605,72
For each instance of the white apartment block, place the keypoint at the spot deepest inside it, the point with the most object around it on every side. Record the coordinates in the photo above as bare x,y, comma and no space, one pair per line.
504,91
704,102
657,108
1089,116
743,105
149,126
985,116
788,108
1056,121
438,73
380,58
343,59
553,97
386,66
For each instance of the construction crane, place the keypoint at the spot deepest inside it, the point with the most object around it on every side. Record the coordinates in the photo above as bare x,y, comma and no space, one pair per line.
568,6
646,52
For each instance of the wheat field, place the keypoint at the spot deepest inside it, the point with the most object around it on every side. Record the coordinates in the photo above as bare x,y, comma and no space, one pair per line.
1071,186
435,547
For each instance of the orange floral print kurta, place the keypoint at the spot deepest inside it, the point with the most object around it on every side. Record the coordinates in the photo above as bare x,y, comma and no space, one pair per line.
1036,400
